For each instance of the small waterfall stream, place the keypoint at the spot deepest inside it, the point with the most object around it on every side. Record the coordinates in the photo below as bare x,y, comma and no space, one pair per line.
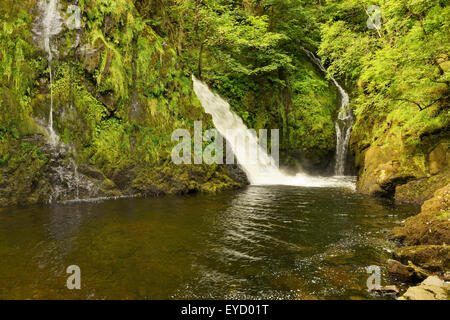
48,25
257,164
344,122
66,181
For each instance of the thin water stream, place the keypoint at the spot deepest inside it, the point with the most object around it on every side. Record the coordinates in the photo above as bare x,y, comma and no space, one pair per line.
47,25
344,122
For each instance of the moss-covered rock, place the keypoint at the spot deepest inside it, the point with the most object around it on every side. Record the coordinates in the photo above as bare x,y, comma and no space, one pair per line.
118,94
431,257
431,225
401,151
37,172
182,179
426,236
389,169
422,189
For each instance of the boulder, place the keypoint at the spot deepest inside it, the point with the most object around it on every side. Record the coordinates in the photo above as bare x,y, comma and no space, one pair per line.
431,226
431,257
401,271
432,288
420,190
383,168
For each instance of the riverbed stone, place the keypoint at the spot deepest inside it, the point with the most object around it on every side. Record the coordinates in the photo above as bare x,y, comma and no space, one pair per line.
401,271
390,290
431,288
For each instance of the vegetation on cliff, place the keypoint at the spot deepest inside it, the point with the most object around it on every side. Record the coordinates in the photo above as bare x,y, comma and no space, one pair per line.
401,90
121,85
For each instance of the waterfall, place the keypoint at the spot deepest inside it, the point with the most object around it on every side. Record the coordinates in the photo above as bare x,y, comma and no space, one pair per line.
48,25
344,122
76,178
257,164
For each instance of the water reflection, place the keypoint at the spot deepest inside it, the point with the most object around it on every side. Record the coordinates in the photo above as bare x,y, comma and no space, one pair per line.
275,242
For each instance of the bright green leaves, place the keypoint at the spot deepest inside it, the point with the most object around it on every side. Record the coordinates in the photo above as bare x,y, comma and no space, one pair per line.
343,50
402,73
19,67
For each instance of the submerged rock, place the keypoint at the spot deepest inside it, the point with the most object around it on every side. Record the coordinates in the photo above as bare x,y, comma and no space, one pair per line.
391,291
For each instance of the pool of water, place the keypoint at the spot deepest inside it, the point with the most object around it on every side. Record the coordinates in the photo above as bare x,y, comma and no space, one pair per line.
276,242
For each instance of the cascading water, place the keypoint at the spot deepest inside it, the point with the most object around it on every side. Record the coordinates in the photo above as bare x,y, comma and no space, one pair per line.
65,179
76,178
344,122
260,169
48,25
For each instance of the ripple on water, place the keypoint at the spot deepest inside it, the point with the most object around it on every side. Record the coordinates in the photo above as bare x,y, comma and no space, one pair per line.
261,242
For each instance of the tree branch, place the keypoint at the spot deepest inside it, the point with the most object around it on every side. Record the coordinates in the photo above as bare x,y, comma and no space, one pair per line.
421,108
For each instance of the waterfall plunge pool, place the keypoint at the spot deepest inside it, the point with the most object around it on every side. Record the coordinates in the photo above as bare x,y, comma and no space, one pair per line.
261,242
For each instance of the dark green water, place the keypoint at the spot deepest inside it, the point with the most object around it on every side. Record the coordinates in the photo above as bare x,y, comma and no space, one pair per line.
257,243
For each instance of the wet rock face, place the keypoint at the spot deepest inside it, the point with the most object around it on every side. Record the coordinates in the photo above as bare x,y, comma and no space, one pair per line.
386,171
68,182
237,174
381,172
43,173
426,253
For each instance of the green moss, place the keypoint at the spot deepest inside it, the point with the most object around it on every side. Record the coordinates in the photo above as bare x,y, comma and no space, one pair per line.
443,215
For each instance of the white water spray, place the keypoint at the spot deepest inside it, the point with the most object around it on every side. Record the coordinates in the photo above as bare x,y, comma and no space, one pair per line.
48,25
260,169
344,122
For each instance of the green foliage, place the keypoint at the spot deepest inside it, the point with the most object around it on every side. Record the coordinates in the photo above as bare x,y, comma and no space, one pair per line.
400,73
18,68
119,95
